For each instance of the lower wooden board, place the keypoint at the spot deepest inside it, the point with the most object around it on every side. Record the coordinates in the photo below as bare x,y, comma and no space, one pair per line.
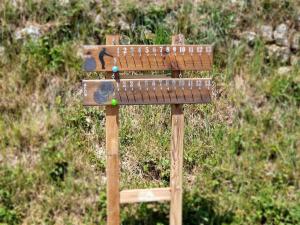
147,91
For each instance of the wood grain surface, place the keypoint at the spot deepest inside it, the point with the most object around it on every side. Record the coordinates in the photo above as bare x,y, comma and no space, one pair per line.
112,156
147,91
177,134
148,57
145,195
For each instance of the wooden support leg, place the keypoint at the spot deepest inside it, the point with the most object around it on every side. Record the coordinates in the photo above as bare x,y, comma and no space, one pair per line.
176,165
176,153
112,152
113,165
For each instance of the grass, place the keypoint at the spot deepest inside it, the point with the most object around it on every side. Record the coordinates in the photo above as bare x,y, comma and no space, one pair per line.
241,153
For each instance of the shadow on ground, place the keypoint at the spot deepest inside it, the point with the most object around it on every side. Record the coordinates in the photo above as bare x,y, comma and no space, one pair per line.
196,210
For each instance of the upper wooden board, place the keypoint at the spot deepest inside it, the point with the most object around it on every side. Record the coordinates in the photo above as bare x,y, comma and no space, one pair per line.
148,57
147,91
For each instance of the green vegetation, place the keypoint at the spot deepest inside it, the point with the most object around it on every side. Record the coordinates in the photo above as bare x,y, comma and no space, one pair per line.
241,153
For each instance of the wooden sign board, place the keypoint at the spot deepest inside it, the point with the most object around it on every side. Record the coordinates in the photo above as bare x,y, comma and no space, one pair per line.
148,57
176,91
146,91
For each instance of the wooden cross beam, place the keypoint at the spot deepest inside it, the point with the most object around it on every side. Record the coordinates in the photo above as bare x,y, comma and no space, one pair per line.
145,195
148,57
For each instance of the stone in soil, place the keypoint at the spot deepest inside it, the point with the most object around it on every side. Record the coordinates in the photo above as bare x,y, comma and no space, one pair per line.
266,32
281,54
281,35
295,42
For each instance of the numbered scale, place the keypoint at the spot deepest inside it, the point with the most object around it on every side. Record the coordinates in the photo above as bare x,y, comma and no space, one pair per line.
147,57
147,91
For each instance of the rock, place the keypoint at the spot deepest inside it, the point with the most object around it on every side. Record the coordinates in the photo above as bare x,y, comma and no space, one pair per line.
281,54
32,31
2,51
272,49
99,151
284,55
79,52
170,20
266,32
281,35
14,3
124,26
295,44
125,40
64,2
284,70
149,35
235,43
238,2
98,19
18,35
250,37
295,60
298,23
18,4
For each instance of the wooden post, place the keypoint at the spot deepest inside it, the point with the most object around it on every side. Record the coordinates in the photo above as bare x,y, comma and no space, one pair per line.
176,153
112,154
